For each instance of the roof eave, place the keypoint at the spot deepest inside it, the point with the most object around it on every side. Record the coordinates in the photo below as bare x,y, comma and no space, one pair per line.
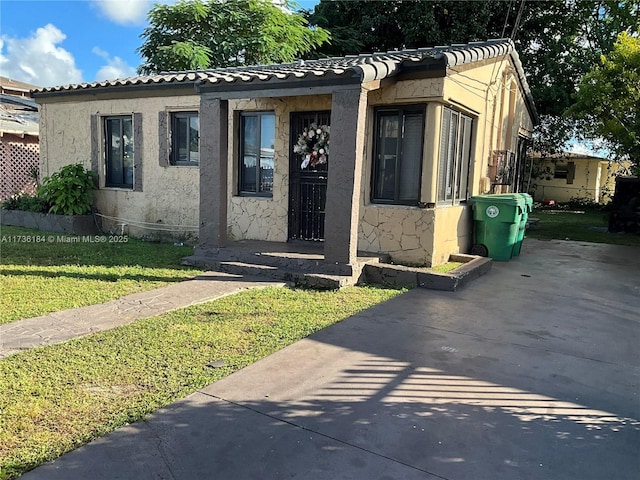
493,49
180,88
277,87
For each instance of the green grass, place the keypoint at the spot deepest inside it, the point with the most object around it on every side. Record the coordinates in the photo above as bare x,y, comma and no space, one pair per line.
580,225
445,267
54,399
47,276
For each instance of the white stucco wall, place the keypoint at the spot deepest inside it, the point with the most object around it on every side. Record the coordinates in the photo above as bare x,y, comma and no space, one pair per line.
593,180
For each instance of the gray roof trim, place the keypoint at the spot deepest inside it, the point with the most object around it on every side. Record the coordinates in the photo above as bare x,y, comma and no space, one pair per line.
235,90
340,70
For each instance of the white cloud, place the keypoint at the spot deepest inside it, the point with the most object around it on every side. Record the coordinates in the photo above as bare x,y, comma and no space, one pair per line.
124,12
115,67
38,60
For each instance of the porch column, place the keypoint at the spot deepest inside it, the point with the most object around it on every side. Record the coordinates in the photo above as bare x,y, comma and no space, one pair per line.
342,208
214,122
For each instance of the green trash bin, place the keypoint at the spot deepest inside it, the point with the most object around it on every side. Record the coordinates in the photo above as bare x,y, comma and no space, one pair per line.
527,208
497,220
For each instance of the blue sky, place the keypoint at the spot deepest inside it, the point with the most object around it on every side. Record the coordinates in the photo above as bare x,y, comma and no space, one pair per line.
55,42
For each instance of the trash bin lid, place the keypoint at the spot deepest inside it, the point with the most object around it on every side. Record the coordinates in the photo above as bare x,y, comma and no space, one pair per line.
513,199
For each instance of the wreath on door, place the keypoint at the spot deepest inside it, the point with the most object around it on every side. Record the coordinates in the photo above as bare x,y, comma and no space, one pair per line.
313,145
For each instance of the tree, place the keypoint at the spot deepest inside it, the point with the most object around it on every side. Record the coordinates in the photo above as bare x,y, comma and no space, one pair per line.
378,26
558,40
608,99
197,34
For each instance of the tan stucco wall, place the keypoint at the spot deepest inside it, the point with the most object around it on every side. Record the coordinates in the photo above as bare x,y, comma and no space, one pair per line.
453,232
594,180
488,92
169,194
491,94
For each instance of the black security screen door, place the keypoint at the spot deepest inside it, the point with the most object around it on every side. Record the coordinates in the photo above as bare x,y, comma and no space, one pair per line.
308,175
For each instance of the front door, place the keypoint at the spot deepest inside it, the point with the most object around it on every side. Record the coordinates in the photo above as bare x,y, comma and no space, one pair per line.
308,169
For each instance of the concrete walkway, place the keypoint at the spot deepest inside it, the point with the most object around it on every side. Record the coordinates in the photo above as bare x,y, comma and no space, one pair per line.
531,372
61,326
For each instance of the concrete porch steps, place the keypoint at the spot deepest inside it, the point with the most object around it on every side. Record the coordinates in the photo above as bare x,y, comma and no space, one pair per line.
296,277
303,264
298,263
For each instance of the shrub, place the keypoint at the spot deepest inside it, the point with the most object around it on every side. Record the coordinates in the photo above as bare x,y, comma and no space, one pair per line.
26,202
577,203
69,191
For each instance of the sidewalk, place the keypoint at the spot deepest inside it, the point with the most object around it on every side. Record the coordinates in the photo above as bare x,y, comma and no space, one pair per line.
61,326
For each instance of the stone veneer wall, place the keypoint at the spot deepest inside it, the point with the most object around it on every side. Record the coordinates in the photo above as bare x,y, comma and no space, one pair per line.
405,233
266,218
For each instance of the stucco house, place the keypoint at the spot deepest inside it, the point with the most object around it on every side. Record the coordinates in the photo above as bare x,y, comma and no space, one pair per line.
566,176
376,153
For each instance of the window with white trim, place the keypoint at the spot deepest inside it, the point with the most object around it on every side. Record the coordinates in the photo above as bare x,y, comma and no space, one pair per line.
455,156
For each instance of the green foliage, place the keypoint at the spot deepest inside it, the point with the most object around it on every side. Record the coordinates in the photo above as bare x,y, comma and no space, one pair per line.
558,41
608,99
69,191
378,26
26,202
196,34
566,222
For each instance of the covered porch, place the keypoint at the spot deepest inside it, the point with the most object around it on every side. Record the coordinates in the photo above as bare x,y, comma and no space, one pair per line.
337,252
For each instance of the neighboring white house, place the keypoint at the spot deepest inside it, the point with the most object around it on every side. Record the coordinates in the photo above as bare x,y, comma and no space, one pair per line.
571,176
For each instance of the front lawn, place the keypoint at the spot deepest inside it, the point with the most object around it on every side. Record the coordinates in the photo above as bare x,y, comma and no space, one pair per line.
585,225
54,399
41,273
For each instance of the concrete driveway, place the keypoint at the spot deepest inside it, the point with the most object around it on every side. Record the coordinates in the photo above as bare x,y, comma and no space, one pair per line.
530,372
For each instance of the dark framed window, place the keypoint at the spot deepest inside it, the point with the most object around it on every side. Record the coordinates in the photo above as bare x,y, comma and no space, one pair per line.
455,156
397,161
560,171
119,151
185,139
256,162
565,171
